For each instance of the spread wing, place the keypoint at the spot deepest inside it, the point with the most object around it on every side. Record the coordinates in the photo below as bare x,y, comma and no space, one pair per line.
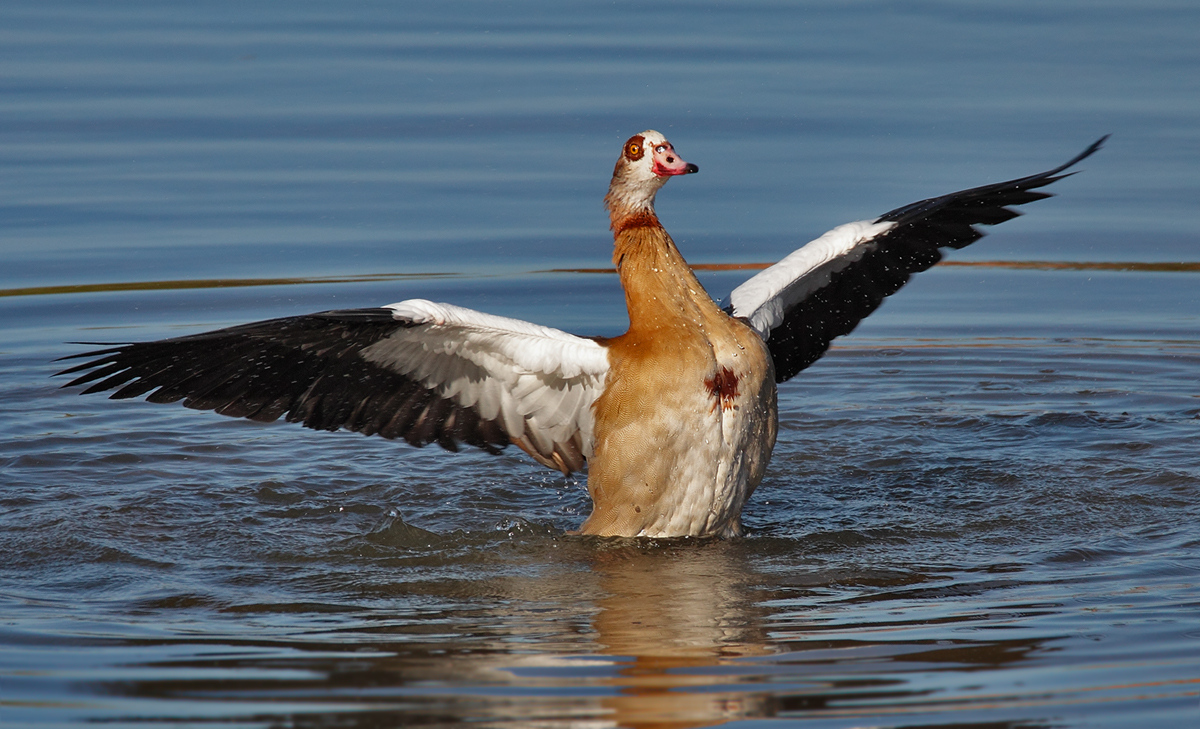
415,370
824,289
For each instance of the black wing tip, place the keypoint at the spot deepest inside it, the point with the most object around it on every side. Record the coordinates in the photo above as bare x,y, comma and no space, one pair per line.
371,315
1056,174
1095,147
924,208
96,358
110,348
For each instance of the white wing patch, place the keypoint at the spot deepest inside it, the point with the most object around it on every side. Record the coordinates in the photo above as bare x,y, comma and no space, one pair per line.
765,298
539,382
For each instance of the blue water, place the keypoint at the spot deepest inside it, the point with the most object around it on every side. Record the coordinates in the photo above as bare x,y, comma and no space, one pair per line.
982,510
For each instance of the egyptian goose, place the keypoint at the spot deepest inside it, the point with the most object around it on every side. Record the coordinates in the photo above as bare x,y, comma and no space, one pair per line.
675,419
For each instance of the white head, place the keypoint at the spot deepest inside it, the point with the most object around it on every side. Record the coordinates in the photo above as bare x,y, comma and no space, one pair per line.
647,161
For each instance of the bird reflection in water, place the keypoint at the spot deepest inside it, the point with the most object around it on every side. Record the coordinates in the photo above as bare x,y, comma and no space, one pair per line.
678,617
612,633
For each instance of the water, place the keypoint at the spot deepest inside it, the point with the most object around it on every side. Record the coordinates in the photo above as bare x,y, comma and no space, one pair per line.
983,507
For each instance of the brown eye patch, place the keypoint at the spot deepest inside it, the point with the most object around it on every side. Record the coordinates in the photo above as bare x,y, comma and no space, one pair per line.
635,148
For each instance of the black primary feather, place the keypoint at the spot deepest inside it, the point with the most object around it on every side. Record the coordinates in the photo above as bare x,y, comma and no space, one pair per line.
307,369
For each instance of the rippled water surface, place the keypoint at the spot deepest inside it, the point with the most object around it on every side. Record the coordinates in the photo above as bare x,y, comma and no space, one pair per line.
984,508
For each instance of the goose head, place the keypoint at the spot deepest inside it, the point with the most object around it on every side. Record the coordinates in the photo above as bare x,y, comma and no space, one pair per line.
647,161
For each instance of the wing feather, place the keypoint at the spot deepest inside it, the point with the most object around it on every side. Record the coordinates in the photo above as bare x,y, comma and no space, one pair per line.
415,370
825,288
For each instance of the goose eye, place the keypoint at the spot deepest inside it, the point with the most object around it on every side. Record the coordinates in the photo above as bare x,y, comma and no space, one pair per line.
634,150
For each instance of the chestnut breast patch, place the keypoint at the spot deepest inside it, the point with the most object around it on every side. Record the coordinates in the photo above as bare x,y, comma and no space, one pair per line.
723,386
